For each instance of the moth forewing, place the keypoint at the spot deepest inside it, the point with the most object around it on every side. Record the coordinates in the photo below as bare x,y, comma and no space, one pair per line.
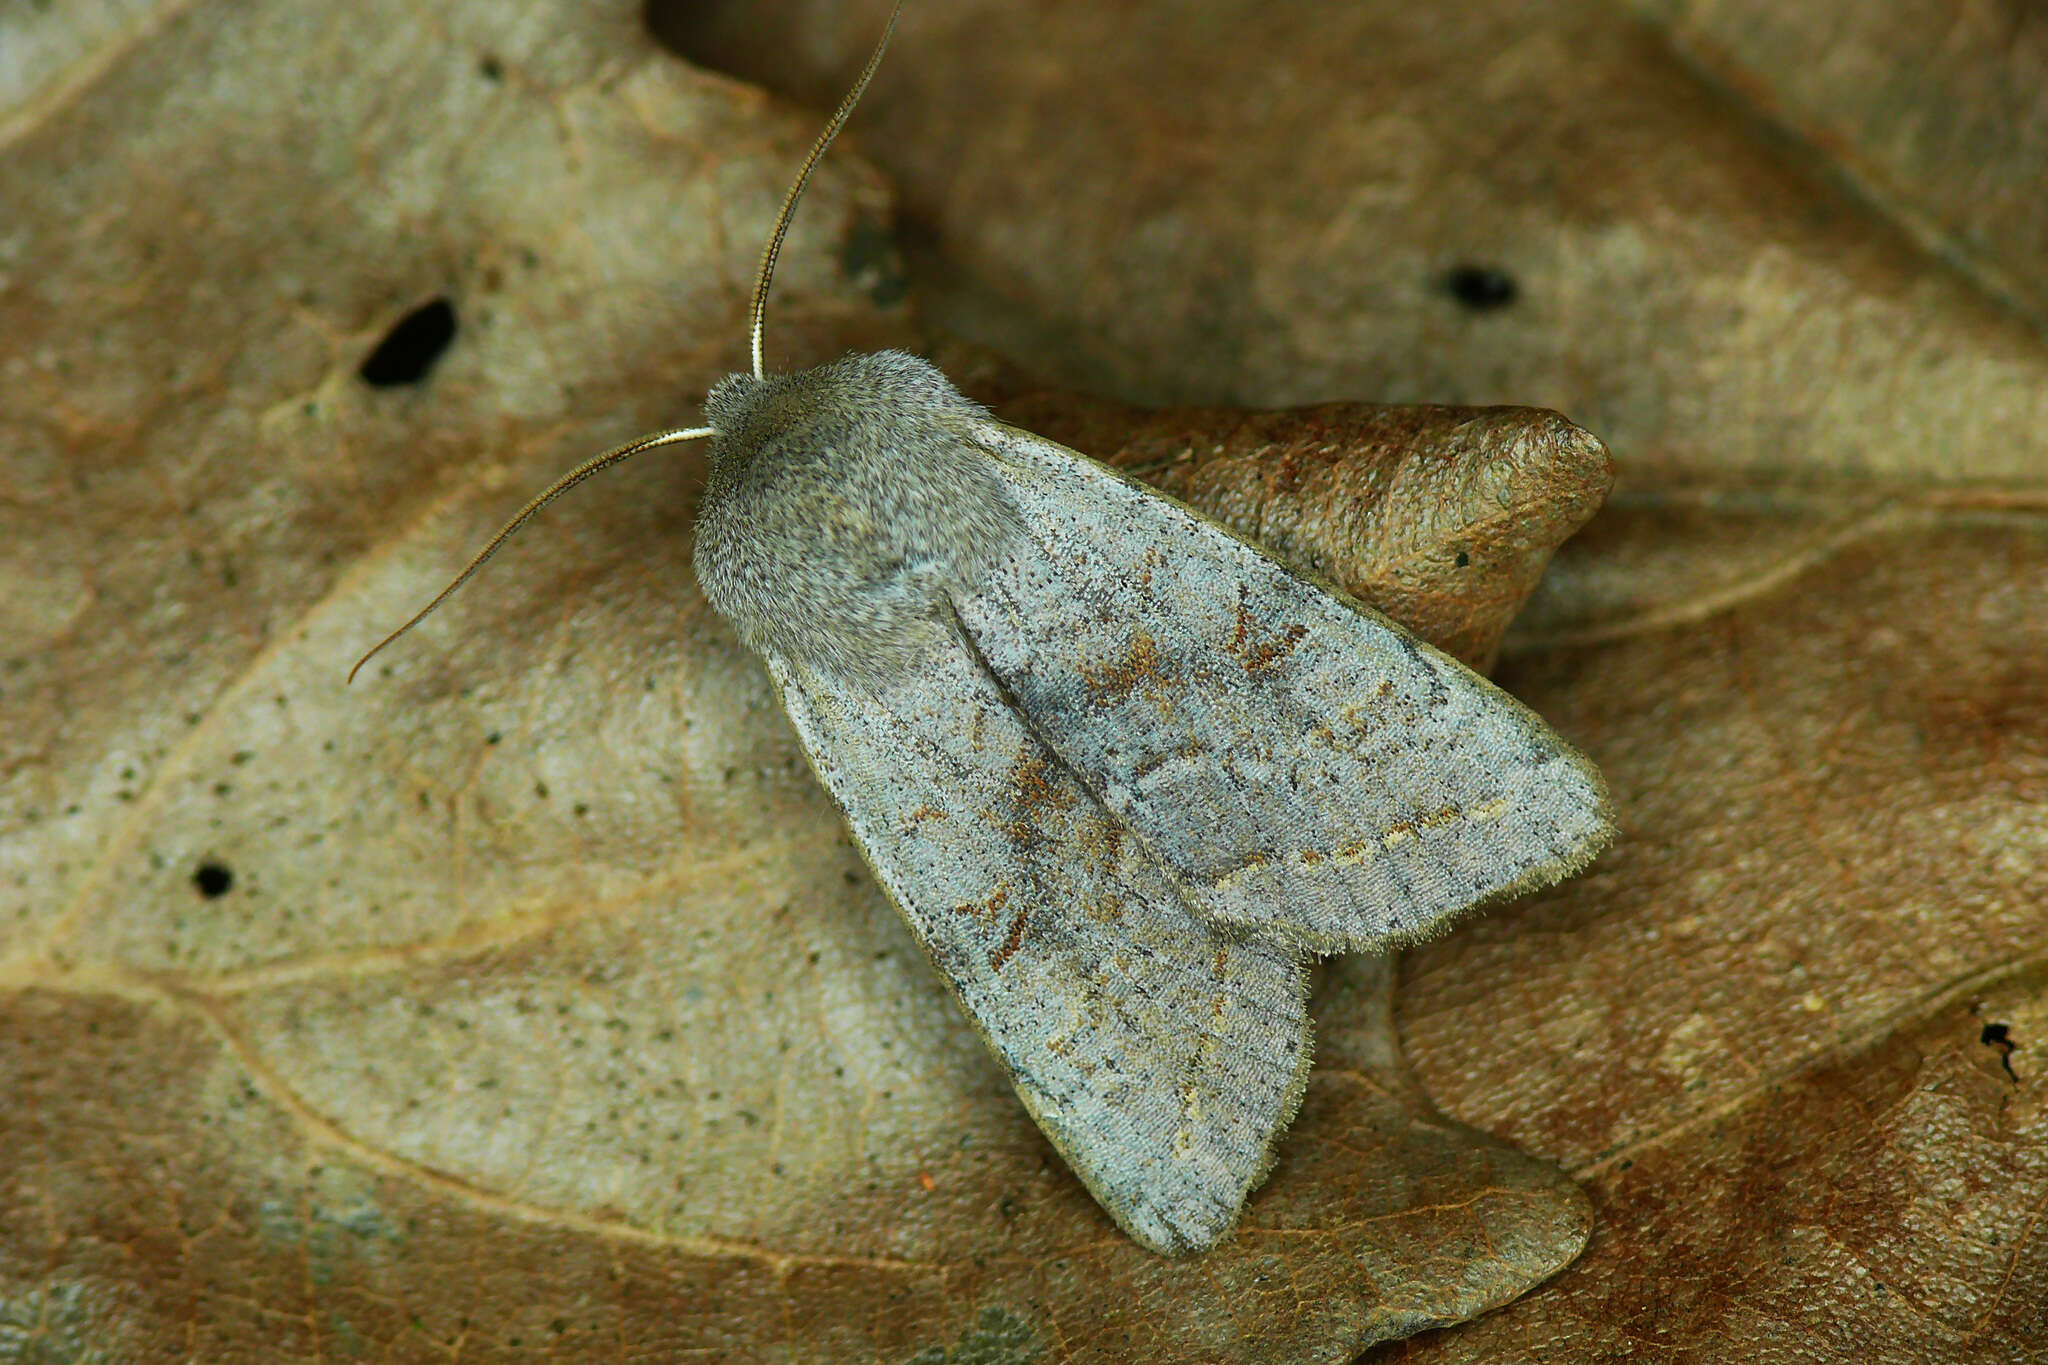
1162,1059
1303,767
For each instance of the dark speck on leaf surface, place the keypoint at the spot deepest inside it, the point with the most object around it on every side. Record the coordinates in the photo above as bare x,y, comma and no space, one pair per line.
1481,288
411,347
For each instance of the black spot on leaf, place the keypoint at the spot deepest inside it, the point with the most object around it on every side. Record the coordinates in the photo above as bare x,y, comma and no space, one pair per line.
213,879
1481,288
411,347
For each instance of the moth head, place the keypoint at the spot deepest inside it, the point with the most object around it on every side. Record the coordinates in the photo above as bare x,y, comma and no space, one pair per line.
732,403
871,390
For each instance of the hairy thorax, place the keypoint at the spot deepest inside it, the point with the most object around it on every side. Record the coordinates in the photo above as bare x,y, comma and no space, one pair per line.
847,506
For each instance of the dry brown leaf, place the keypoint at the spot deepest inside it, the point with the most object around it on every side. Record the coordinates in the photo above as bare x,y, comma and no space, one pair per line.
1937,110
1231,201
529,997
1444,518
1788,1032
1772,1030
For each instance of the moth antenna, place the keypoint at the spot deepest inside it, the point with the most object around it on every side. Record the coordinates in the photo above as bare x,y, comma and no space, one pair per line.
542,499
803,178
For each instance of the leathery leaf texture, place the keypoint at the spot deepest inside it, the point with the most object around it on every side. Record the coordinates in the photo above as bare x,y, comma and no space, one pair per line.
526,1001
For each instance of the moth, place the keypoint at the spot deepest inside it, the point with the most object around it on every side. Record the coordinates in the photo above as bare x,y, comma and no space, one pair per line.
1123,773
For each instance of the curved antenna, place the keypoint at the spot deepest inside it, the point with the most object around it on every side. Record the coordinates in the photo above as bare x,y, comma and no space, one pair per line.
542,499
759,313
803,178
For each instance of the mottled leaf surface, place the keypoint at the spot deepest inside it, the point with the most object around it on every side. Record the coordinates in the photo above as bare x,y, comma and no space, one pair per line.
525,1002
526,999
1227,201
1786,262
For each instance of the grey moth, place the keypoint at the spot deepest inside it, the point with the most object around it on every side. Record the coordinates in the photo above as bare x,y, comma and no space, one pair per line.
1123,773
